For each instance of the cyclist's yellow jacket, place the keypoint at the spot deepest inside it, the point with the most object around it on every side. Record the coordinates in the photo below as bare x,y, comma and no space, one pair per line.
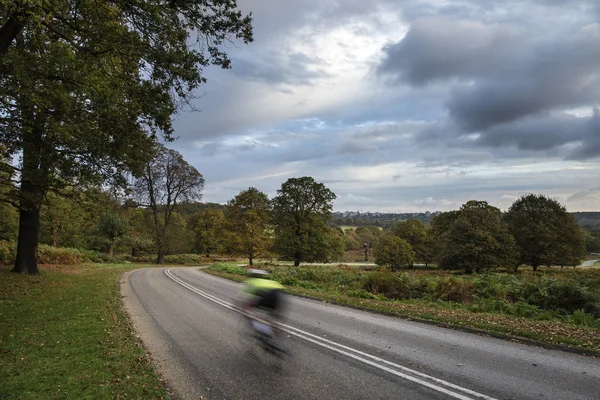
255,286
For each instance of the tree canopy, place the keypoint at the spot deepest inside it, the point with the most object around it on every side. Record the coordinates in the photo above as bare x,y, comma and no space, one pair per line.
86,87
300,213
415,233
545,233
167,180
477,239
394,252
247,216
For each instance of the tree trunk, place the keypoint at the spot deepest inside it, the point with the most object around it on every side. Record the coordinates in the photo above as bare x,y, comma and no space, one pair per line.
27,245
535,267
33,178
110,250
9,31
134,251
250,259
160,259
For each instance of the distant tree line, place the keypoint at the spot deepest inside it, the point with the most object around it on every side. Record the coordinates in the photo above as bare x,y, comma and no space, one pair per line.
161,214
535,231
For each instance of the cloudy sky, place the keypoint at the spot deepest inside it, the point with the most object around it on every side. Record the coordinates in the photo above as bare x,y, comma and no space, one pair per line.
401,106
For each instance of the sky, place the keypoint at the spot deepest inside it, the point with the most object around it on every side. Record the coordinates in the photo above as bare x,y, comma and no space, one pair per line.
406,106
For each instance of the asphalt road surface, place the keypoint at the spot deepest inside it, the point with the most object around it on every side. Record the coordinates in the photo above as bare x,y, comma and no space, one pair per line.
196,336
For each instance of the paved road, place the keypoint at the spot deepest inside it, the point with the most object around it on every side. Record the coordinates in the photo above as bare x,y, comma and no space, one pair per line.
186,321
588,263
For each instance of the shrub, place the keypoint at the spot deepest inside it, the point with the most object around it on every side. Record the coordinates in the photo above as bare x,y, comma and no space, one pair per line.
394,286
185,259
452,289
8,252
230,269
61,255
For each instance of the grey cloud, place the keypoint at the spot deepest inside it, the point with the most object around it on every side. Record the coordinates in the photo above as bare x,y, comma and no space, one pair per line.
357,146
590,194
440,49
559,135
275,68
508,75
561,74
589,147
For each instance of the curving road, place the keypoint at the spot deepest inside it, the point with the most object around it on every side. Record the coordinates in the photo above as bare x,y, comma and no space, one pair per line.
189,324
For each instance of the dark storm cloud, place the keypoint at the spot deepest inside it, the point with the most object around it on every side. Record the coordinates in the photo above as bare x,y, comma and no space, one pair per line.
551,76
508,88
438,49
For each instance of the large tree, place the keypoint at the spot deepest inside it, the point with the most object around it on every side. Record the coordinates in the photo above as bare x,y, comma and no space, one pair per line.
111,228
545,233
247,216
475,239
86,87
301,210
208,226
394,252
414,232
167,180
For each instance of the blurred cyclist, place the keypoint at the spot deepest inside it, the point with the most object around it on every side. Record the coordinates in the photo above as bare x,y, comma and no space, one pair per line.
263,294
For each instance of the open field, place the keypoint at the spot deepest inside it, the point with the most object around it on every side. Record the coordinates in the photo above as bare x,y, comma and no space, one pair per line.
64,336
559,307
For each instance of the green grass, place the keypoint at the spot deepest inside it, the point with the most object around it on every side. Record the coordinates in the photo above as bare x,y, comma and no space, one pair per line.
64,335
555,306
597,263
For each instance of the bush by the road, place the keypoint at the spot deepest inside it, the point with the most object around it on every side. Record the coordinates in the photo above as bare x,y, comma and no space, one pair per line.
556,294
54,255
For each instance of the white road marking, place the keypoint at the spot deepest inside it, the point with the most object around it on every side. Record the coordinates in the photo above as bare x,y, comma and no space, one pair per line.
384,365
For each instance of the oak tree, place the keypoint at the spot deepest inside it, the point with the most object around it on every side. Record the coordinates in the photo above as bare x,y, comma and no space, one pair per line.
247,216
87,87
544,232
301,210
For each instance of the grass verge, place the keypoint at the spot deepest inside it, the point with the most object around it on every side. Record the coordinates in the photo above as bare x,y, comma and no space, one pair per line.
555,333
64,335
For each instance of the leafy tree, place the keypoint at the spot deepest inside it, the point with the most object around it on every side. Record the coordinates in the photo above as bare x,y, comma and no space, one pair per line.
439,226
140,235
415,233
592,242
352,241
477,239
544,232
301,210
394,252
333,249
247,216
208,226
87,86
112,227
178,238
167,180
10,222
368,235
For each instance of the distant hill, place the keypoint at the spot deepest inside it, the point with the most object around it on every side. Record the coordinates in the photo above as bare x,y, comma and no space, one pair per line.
588,220
383,220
